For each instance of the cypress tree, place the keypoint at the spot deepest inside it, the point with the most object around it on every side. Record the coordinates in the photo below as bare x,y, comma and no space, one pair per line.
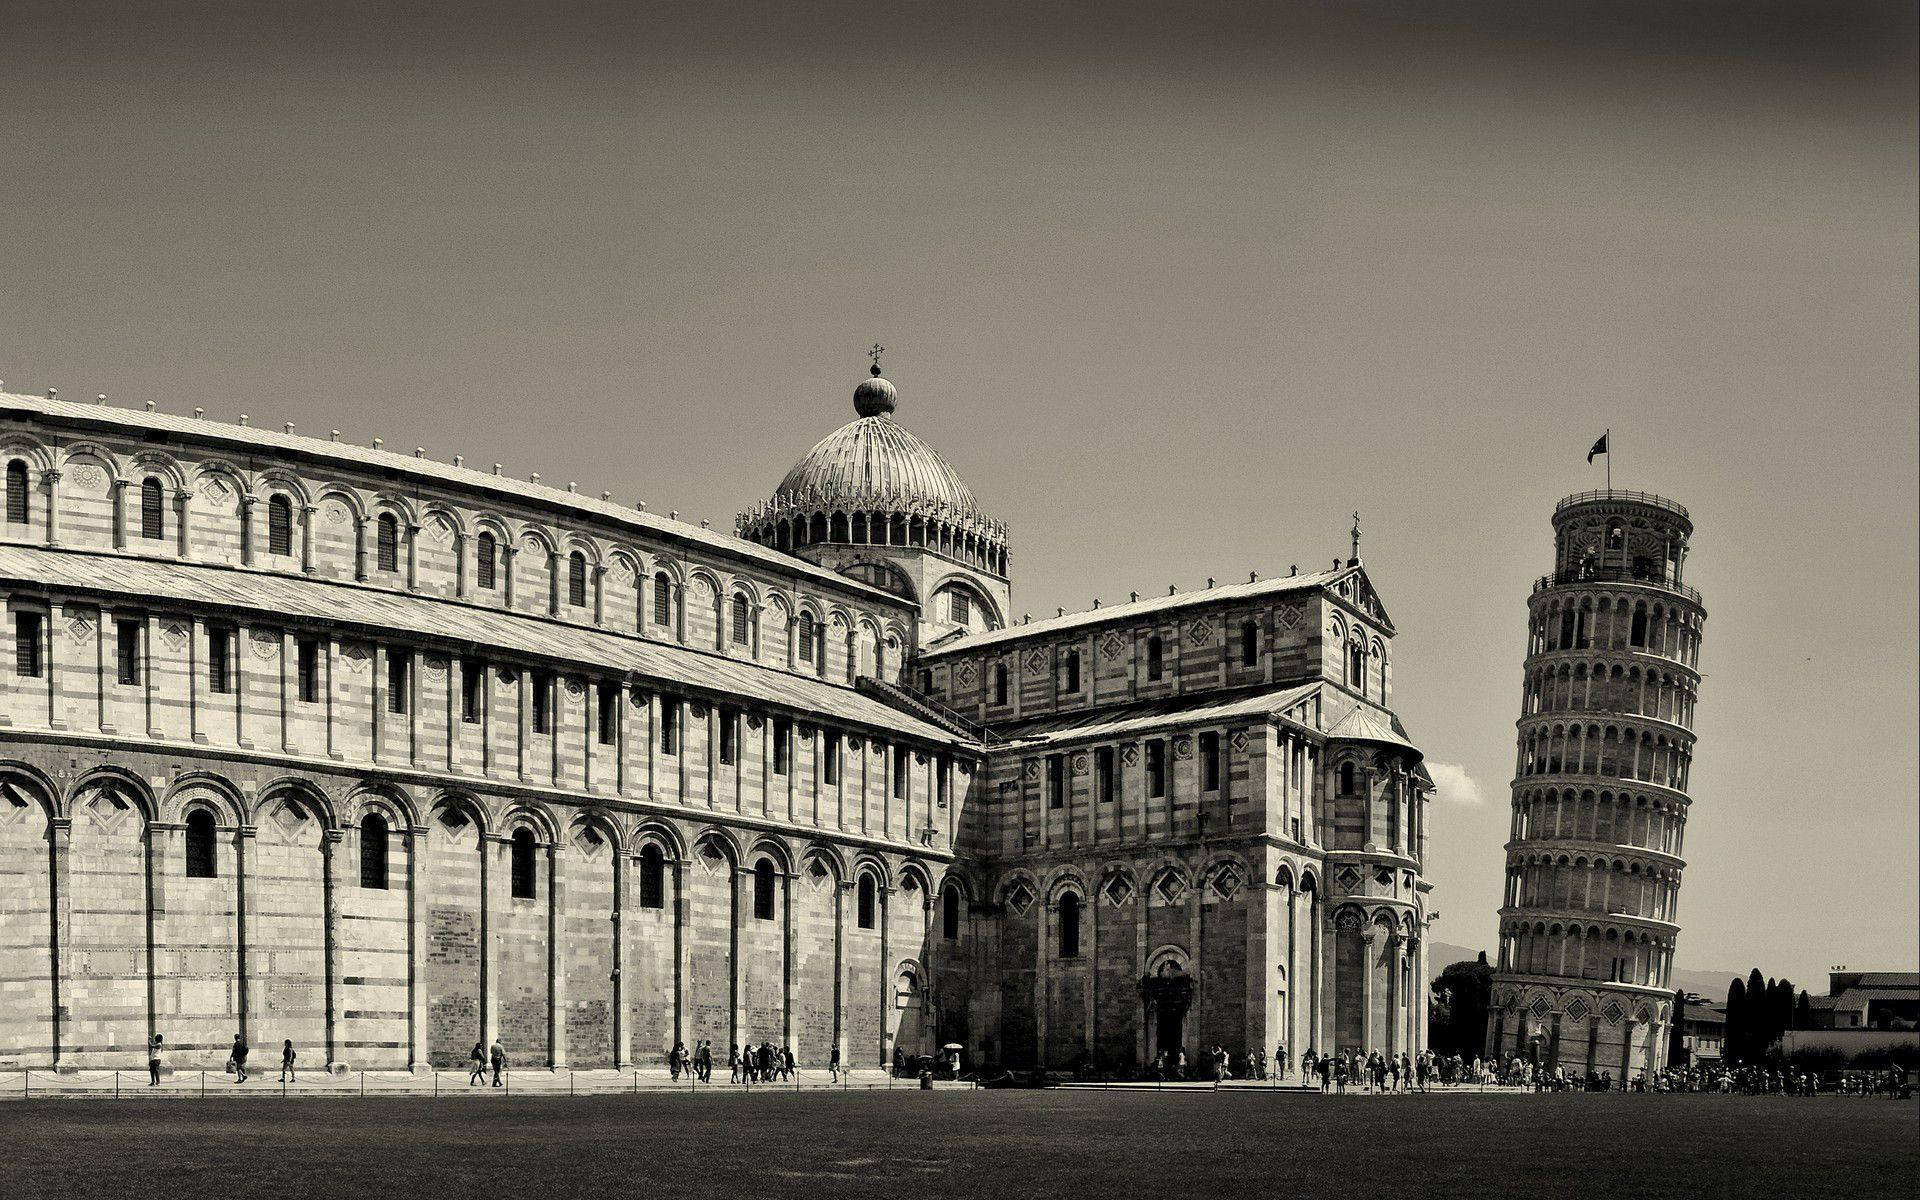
1736,1016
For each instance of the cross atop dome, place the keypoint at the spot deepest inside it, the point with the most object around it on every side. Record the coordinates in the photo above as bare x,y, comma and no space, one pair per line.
875,397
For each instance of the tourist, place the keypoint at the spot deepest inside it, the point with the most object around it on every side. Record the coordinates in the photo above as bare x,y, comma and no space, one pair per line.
1309,1065
237,1060
477,1073
498,1055
1280,1060
1257,1063
788,1063
155,1047
733,1064
286,1061
833,1063
1340,1073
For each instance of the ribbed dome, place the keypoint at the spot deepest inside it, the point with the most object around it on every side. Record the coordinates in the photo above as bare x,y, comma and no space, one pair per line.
875,462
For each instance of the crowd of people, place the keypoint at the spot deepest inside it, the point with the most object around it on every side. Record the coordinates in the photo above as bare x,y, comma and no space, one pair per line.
765,1063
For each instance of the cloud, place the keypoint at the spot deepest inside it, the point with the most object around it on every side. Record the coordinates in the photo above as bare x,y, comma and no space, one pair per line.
1452,784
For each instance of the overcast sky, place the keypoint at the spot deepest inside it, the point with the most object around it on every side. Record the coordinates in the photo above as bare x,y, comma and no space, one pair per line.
1176,288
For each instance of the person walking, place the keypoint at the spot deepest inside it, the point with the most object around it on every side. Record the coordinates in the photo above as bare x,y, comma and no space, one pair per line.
286,1061
733,1064
833,1063
787,1063
239,1058
477,1065
497,1054
156,1046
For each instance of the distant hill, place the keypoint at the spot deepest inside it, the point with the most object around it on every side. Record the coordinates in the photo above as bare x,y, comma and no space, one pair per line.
1711,984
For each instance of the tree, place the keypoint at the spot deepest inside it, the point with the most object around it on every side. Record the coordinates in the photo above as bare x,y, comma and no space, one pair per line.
1803,1013
1458,1020
1733,1047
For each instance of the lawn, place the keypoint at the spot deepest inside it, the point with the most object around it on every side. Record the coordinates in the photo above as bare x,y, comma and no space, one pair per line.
963,1144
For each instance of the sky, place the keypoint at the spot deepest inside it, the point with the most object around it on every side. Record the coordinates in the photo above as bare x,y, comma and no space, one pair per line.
1176,288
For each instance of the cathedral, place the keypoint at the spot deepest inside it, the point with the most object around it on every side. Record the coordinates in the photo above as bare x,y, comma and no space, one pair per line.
384,755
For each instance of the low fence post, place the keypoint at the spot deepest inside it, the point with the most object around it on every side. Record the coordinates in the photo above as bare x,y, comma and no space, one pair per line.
116,1085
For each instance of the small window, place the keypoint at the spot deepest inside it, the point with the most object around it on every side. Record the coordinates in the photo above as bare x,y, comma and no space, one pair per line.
202,858
940,767
523,872
486,556
220,661
1000,684
26,645
127,656
806,635
1249,644
741,633
577,579
1056,781
387,543
1069,926
653,877
869,902
17,507
1156,768
279,525
473,678
782,745
763,890
1103,774
307,660
1155,658
1210,762
962,611
902,766
829,757
1070,672
1638,635
662,598
729,736
540,685
950,914
153,511
397,663
1346,779
926,683
373,852
669,726
607,719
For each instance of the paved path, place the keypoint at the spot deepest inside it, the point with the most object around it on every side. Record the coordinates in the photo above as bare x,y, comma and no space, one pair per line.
132,1085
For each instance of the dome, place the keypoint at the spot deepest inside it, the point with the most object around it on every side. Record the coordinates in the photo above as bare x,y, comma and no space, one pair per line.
874,482
876,463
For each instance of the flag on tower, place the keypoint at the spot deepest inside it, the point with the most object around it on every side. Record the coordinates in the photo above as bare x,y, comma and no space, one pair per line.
1599,447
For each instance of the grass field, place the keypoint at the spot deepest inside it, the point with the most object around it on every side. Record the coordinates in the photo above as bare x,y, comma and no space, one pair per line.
965,1144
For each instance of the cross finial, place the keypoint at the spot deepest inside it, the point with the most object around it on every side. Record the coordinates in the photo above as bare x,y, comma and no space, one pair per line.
1356,536
875,354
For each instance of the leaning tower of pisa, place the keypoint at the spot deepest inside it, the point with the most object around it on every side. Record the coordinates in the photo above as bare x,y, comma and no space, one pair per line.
1591,909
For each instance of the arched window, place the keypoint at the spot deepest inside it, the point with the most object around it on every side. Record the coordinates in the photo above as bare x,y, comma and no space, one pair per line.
763,890
373,852
17,510
1070,672
962,611
523,874
805,635
1249,644
950,914
486,557
1357,667
1638,637
662,598
153,512
387,543
1155,658
869,901
1069,926
1000,683
279,525
577,579
202,859
653,877
739,619
1346,779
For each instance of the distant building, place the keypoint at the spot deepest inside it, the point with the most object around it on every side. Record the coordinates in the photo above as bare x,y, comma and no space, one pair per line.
1703,1031
1868,1000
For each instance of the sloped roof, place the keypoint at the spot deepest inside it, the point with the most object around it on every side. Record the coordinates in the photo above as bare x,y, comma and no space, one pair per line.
1135,609
1158,714
253,439
1363,724
273,597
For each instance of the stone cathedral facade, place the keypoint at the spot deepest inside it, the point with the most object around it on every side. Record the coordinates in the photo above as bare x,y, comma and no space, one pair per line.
389,756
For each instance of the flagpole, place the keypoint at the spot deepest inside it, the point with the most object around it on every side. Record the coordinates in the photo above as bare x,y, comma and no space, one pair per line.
1609,457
